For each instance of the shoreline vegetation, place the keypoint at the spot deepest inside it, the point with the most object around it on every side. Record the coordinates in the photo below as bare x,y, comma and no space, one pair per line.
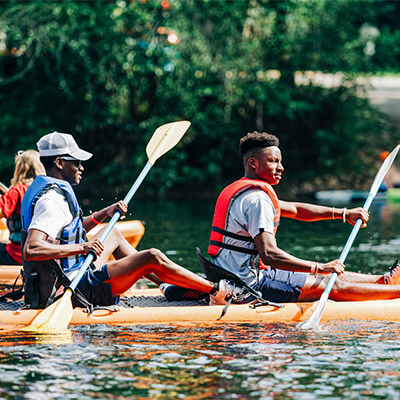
111,72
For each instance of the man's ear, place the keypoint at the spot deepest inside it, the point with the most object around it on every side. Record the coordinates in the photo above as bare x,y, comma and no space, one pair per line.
252,162
58,163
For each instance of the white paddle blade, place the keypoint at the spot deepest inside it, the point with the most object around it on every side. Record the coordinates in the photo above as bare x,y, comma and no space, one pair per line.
383,170
313,322
165,138
54,318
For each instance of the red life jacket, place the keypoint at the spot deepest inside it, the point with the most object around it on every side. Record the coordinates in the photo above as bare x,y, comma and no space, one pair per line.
218,229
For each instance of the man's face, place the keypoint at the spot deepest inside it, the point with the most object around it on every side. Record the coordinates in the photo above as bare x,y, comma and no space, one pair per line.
71,170
268,165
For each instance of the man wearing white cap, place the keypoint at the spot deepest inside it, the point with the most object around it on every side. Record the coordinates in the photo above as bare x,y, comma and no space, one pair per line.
54,241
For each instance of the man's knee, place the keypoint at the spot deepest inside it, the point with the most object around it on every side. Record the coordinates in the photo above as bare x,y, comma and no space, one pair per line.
116,233
154,256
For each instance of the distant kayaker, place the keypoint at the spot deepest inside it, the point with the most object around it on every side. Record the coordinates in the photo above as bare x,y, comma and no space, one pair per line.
246,217
54,238
27,168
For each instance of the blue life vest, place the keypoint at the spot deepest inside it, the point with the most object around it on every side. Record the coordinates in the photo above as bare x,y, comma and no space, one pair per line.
72,233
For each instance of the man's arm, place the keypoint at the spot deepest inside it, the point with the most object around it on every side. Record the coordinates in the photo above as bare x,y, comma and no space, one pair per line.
311,212
99,216
38,249
273,256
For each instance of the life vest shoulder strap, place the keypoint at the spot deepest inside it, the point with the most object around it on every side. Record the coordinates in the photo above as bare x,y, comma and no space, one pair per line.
62,192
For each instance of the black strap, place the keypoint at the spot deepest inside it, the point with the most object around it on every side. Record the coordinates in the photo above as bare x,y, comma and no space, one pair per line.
233,248
15,294
232,235
228,303
65,281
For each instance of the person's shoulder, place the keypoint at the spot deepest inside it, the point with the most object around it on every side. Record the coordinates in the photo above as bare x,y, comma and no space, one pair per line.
254,195
16,191
52,196
20,188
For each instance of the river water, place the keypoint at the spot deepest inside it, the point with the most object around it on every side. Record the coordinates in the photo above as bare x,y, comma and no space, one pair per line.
344,360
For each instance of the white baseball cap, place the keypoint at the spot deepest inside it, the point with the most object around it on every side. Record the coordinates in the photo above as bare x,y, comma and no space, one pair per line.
58,144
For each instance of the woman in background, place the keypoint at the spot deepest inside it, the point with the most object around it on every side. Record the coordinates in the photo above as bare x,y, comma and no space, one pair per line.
27,167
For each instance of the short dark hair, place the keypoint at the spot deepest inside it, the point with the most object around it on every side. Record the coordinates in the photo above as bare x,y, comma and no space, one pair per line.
48,162
254,141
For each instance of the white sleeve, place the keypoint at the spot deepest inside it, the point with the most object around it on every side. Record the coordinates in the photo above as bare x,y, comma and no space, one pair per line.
51,214
260,215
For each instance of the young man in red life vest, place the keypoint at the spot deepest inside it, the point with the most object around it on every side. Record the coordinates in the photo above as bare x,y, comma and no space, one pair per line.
246,218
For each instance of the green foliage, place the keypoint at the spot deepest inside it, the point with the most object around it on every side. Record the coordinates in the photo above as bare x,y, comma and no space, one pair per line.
106,72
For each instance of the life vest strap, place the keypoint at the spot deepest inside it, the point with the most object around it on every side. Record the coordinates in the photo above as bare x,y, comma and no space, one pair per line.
232,235
233,248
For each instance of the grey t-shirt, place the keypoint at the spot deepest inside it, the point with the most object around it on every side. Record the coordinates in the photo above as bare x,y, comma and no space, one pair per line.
250,213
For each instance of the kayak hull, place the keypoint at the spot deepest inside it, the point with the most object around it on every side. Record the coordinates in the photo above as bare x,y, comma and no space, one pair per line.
147,306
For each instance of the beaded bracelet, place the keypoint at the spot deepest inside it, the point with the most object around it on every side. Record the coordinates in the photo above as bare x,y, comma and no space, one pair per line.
314,268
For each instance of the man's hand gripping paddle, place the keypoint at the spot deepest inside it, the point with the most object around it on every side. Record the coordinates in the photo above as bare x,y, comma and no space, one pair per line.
313,321
58,315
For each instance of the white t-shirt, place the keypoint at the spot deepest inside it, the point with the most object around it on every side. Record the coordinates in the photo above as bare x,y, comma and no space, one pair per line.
51,214
250,213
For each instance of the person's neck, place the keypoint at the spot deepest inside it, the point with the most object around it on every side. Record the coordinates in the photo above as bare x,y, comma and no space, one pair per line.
56,175
251,175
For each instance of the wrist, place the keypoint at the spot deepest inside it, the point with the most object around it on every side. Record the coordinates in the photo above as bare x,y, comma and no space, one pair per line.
344,214
314,268
94,220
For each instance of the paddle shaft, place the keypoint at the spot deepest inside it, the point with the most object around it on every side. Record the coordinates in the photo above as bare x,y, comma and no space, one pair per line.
3,187
348,245
110,225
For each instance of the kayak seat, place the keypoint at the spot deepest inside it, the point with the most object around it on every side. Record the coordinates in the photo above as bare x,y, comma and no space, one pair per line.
215,273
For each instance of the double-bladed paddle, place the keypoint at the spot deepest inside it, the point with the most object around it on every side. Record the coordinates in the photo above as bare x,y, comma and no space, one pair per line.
58,315
313,321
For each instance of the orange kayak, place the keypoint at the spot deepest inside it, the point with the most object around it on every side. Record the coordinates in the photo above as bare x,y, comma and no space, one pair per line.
148,306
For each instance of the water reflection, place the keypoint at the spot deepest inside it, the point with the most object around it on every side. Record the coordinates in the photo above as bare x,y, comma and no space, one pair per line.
229,361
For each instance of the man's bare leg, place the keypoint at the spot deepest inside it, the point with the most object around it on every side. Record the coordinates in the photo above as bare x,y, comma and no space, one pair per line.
119,247
128,270
356,277
347,291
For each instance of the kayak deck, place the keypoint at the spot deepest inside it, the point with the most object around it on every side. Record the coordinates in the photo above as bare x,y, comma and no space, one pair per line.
148,306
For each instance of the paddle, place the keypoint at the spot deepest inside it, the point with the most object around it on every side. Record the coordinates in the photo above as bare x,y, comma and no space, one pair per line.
313,321
3,187
59,314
